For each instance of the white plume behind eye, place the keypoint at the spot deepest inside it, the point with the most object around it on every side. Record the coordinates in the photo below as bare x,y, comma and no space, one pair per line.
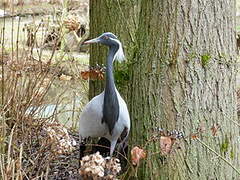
119,56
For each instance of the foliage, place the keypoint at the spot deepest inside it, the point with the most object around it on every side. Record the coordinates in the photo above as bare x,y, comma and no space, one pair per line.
122,75
225,145
205,59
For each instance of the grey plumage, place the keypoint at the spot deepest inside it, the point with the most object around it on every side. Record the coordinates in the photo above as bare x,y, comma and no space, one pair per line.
106,115
111,104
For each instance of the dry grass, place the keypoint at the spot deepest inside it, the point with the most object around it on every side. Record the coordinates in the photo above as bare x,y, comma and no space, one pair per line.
21,130
24,84
28,143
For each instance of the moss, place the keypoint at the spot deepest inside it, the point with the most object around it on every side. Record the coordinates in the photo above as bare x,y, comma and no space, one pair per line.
224,146
205,59
122,75
192,55
232,154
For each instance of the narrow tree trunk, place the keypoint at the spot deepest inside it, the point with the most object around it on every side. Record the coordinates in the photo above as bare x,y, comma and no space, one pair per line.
97,53
184,78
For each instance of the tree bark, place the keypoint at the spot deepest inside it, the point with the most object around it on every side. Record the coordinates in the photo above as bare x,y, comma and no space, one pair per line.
182,69
110,16
185,79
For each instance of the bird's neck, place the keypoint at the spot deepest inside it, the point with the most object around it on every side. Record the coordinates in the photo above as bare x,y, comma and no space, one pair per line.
110,105
109,69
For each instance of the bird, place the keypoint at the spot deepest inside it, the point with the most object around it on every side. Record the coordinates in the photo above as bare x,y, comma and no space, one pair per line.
106,115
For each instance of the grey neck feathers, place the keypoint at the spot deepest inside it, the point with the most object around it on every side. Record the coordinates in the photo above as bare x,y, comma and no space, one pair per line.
110,105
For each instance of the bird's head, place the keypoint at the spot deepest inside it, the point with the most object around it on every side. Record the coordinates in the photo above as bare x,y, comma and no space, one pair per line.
109,39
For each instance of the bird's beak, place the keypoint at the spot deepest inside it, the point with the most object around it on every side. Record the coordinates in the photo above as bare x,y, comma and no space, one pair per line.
95,40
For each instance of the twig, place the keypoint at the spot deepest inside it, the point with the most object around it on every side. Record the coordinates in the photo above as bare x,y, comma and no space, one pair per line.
225,160
3,38
236,123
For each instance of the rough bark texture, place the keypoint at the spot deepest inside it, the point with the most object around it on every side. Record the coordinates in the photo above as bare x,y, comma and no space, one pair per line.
109,16
186,70
183,74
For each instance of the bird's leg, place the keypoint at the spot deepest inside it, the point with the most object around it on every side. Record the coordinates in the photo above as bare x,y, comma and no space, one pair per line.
123,143
112,147
123,148
122,155
82,148
102,146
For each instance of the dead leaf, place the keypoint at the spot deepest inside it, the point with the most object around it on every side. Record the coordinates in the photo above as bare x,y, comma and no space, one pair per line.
93,74
137,154
64,77
201,127
215,129
194,135
71,23
101,76
166,143
85,75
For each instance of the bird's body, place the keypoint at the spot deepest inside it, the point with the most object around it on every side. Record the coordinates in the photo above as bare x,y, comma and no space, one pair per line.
91,124
106,115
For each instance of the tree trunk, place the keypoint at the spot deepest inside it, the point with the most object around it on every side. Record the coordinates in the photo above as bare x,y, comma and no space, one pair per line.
182,61
184,79
110,16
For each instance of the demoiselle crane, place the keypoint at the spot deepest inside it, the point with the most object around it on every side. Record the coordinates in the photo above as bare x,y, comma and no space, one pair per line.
106,115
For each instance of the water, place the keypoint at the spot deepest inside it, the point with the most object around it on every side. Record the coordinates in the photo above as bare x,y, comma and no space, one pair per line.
64,102
66,98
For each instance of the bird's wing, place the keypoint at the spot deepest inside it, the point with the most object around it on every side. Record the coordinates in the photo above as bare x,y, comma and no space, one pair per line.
90,124
123,122
124,117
